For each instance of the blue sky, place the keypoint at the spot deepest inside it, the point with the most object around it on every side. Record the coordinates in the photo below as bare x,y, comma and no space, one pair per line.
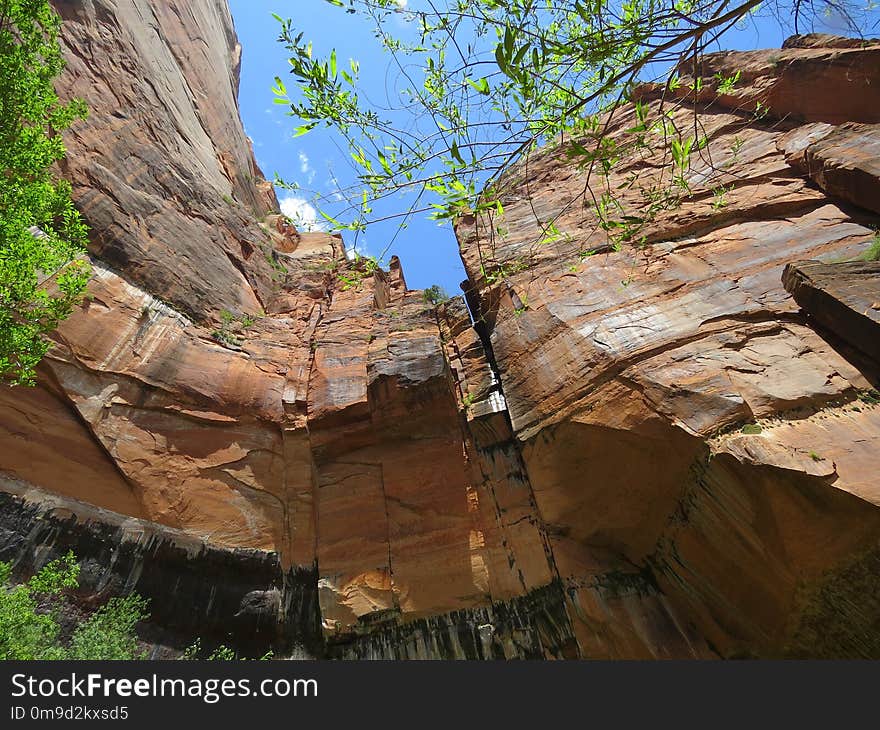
316,162
427,250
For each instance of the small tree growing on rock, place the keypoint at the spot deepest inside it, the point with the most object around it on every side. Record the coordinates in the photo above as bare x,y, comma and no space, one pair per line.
41,234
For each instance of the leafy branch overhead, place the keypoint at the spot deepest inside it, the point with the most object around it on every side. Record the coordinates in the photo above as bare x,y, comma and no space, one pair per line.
481,84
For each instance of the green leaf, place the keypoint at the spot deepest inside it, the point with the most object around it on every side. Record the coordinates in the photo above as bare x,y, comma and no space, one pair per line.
331,219
481,86
454,151
501,59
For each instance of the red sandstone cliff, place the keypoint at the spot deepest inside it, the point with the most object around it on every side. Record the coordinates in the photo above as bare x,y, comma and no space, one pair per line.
617,509
630,374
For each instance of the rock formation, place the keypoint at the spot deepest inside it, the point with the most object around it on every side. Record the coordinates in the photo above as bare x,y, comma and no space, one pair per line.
703,456
637,450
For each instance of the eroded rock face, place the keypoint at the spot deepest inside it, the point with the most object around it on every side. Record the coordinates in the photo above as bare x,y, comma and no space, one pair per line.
242,382
842,160
417,513
162,169
843,298
219,596
692,440
812,78
636,450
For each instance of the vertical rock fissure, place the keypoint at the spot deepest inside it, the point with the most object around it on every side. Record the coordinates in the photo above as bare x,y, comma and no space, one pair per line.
395,602
323,306
507,451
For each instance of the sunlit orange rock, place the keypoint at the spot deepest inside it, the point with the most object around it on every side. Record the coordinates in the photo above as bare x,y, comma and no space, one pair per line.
637,448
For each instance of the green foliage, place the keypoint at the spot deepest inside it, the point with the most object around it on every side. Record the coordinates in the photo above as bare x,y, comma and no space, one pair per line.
109,633
222,653
29,630
503,271
231,328
41,234
435,294
26,633
719,196
871,397
751,429
483,83
873,251
361,268
726,83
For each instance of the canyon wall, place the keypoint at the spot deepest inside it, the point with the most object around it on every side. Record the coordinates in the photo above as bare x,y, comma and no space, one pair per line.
614,450
703,454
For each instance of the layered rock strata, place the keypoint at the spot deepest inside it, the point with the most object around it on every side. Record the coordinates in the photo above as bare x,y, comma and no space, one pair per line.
843,298
162,168
693,441
618,448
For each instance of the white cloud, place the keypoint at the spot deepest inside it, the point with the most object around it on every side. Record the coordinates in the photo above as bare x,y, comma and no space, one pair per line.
404,16
302,213
306,168
353,250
